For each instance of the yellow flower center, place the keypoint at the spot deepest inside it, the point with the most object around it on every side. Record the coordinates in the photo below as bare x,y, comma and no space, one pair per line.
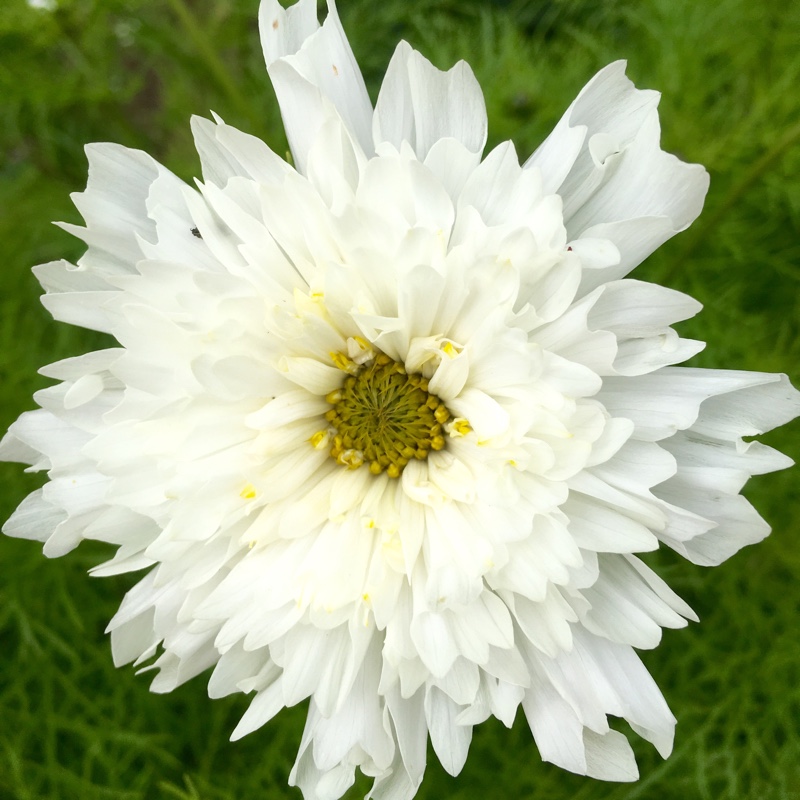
385,417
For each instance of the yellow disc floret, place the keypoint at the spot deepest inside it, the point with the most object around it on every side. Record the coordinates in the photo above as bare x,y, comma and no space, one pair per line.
385,417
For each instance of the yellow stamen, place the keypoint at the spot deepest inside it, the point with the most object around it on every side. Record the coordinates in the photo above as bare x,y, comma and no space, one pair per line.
342,362
319,440
460,427
382,416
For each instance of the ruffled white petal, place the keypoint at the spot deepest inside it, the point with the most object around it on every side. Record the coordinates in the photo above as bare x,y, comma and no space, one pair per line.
422,105
608,112
604,158
312,67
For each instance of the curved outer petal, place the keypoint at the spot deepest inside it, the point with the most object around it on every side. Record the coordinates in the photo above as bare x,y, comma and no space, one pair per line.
714,463
226,153
604,159
127,196
609,109
284,30
310,64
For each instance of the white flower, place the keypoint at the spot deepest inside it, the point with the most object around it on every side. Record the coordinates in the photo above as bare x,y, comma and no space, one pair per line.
387,429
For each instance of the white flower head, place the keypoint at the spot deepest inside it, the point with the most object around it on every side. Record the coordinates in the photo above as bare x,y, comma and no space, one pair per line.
387,428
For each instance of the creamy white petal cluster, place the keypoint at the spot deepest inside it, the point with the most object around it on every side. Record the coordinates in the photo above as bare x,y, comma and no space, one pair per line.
387,428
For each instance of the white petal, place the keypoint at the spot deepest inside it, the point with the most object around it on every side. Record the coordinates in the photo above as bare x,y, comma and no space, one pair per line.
86,309
408,717
420,104
452,163
555,728
434,642
265,705
638,237
288,407
317,378
760,402
609,756
669,400
283,31
500,190
449,739
133,639
219,165
610,106
736,522
114,206
599,527
304,110
322,71
486,416
634,308
34,518
647,182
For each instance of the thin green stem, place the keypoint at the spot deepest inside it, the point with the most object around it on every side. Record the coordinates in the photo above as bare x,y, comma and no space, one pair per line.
214,64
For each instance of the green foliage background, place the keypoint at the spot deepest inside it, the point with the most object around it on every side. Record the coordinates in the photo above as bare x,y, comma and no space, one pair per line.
132,71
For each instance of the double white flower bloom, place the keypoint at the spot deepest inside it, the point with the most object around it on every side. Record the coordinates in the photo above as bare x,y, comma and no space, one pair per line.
387,429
